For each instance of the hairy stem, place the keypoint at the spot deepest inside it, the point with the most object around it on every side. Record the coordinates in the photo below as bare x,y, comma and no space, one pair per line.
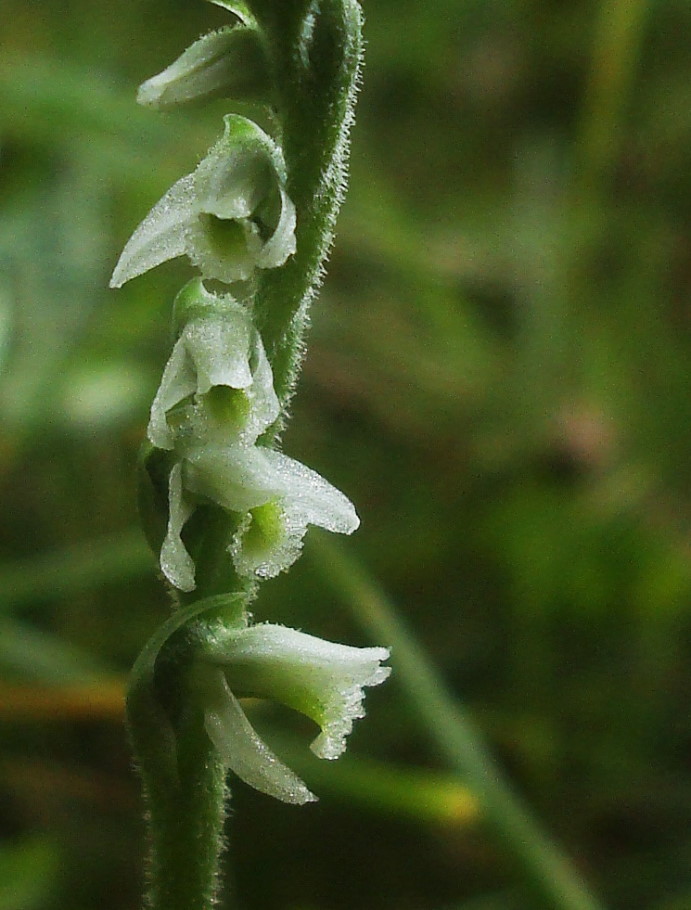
318,51
186,826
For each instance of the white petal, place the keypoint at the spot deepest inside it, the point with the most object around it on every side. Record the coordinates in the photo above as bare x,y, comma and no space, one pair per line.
246,755
238,173
234,476
178,382
281,244
228,63
176,563
307,497
219,347
160,236
264,404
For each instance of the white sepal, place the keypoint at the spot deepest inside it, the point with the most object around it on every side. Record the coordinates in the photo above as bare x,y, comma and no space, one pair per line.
160,236
243,752
176,563
227,63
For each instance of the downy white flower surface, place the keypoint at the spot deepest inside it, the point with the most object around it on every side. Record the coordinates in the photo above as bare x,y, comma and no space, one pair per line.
232,215
320,679
215,399
219,366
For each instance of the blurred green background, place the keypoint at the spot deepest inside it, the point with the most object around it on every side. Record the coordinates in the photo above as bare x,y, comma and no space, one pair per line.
498,376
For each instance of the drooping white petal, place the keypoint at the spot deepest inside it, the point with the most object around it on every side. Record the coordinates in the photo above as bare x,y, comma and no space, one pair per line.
321,679
160,236
281,244
178,382
246,754
176,563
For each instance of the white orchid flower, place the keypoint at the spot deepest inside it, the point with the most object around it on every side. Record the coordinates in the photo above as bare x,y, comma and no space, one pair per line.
232,215
278,496
320,679
219,364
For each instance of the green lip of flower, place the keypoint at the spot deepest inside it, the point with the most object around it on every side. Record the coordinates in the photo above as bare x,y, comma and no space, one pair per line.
322,680
232,215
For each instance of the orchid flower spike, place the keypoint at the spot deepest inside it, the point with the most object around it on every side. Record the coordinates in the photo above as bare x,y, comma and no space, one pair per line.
232,215
322,680
218,363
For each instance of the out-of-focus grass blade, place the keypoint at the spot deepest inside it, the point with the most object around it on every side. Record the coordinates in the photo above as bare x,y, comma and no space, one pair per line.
74,568
106,700
422,795
30,653
27,873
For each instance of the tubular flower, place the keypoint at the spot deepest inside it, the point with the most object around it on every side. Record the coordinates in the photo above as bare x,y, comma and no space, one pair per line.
232,215
218,366
278,497
322,680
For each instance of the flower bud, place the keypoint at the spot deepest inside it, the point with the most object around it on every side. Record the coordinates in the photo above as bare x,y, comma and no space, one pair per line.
229,63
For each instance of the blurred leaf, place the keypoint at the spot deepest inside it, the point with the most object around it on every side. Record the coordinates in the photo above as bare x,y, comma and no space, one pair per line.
28,870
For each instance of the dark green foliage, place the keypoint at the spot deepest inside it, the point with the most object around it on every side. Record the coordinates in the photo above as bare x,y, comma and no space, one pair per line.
498,376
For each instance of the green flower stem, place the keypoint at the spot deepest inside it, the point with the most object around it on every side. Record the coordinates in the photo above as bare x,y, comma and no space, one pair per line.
212,532
182,776
545,868
186,825
316,73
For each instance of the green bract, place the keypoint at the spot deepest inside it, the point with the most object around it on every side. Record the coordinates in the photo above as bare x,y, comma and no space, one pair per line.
322,680
229,217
